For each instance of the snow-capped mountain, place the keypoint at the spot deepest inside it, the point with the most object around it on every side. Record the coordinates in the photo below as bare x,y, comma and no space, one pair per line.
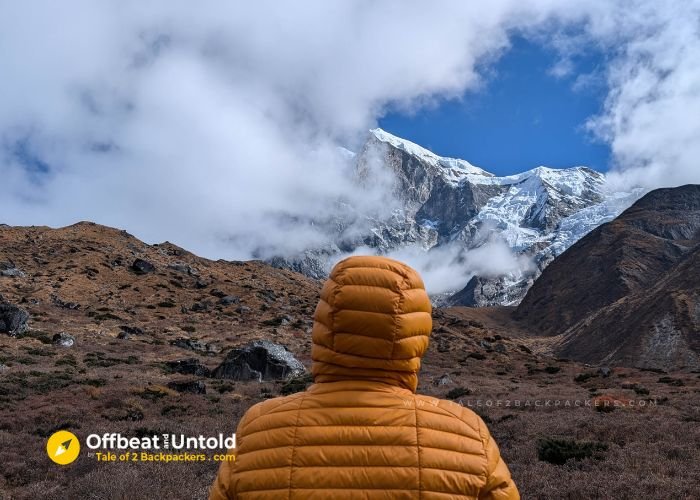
450,202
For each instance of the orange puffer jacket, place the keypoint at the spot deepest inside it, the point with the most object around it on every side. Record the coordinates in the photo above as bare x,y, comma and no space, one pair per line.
360,431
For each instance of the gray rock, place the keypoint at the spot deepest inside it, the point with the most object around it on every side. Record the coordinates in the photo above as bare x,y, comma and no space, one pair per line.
442,380
140,266
243,310
63,339
131,330
192,386
259,360
13,320
501,348
604,371
228,300
184,269
200,306
9,270
189,366
486,345
73,306
123,335
196,345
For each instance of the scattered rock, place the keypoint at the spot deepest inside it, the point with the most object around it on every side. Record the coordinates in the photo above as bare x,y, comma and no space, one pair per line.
199,284
141,266
217,293
196,345
73,306
476,355
189,366
228,300
13,320
123,336
243,310
184,269
282,320
604,371
192,386
259,360
442,380
500,348
200,306
486,345
9,270
131,330
63,339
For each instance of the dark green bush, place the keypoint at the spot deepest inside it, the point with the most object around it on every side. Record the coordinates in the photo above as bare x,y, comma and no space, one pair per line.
457,392
296,384
558,451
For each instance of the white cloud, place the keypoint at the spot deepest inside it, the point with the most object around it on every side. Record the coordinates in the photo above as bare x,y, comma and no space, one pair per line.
201,124
449,267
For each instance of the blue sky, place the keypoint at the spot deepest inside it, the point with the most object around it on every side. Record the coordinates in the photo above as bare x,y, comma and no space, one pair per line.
521,118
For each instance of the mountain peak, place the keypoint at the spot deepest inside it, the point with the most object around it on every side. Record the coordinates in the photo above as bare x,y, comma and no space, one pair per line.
454,168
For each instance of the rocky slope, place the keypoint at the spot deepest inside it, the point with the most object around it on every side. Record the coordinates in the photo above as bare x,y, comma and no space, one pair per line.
629,291
124,337
449,202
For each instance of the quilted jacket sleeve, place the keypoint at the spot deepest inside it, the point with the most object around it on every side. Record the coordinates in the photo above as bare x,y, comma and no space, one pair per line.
222,489
499,484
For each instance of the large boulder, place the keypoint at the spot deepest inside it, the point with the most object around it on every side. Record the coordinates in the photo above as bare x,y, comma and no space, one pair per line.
13,320
259,360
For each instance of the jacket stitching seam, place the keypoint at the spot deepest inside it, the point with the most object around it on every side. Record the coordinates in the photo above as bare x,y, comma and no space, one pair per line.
420,466
486,456
294,445
362,425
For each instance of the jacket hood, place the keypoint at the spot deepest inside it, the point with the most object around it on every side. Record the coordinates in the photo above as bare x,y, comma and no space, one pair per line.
372,323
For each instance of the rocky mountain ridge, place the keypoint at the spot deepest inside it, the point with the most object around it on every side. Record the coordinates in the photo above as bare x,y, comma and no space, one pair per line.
629,291
447,202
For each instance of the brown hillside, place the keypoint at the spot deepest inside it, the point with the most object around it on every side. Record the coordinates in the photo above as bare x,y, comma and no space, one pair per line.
129,322
628,292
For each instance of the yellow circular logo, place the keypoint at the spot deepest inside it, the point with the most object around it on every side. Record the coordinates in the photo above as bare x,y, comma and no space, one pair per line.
63,447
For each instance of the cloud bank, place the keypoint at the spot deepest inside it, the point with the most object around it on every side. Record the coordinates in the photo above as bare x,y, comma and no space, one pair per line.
217,125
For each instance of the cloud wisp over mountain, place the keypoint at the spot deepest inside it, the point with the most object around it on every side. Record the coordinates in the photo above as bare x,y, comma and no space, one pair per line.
219,127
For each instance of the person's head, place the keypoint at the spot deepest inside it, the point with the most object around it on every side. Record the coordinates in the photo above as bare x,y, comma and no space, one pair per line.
372,323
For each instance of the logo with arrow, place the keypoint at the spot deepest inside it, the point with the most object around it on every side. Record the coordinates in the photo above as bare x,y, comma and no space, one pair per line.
63,447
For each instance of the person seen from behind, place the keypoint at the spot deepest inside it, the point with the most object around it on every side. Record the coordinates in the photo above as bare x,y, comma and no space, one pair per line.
360,431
